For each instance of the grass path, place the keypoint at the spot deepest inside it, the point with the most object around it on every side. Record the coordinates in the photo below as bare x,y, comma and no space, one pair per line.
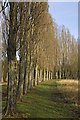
47,101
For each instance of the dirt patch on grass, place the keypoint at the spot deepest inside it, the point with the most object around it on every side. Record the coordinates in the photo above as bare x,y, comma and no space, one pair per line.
68,82
69,85
69,89
66,94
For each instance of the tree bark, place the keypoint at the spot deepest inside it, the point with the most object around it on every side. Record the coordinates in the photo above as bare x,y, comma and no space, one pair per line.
47,74
20,81
34,78
51,75
11,53
36,74
44,75
40,75
25,80
11,89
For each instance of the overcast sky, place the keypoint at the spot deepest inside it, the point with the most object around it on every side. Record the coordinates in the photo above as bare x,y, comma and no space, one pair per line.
65,13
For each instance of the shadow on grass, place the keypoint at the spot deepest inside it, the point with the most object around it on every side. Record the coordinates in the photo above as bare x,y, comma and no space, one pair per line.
46,101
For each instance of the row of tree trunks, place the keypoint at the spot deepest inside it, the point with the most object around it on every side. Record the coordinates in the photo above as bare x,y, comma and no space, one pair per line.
65,75
32,78
42,75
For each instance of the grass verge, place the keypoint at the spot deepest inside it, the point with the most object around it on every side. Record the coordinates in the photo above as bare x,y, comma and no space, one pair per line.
49,100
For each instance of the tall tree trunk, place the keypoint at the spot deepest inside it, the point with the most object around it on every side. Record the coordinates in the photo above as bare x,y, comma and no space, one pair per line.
20,81
11,89
47,74
60,74
29,81
34,78
36,75
11,53
40,75
44,74
25,79
51,75
21,36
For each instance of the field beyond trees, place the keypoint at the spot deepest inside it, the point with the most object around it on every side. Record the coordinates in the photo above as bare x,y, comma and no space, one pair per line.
50,99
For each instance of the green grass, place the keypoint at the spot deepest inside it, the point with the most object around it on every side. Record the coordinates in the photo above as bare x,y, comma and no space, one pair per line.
47,101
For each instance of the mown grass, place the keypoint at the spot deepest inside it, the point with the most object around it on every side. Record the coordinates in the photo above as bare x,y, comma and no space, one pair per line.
47,100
